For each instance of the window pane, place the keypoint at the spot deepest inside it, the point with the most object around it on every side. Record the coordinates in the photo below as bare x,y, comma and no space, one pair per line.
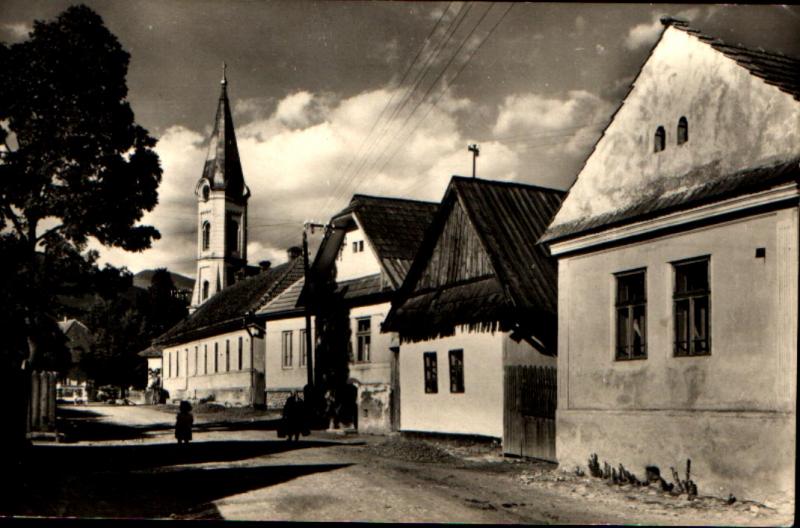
700,325
638,332
622,332
431,379
456,371
682,327
691,277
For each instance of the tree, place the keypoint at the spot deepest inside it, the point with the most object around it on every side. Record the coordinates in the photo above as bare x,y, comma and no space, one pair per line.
73,165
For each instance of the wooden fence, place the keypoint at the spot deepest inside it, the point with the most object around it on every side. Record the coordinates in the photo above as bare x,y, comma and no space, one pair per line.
42,403
529,427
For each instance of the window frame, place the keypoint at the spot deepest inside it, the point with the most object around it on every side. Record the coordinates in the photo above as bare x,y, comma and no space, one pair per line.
205,358
205,290
227,355
286,351
301,348
691,296
205,228
457,369
241,352
196,356
430,372
363,337
216,357
629,305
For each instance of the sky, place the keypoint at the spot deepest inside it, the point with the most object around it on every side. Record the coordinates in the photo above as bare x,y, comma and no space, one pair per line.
335,98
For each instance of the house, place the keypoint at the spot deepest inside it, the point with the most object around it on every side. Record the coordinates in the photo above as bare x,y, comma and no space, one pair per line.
74,384
478,307
285,342
217,352
363,259
153,356
677,253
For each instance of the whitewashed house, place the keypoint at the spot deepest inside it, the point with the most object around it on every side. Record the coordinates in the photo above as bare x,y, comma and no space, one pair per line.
476,319
367,254
677,253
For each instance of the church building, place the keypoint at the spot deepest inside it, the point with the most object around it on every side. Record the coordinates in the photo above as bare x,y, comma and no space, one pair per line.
217,352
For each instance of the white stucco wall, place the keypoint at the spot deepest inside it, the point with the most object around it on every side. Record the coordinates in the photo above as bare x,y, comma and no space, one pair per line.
732,413
197,378
280,378
735,120
476,411
352,264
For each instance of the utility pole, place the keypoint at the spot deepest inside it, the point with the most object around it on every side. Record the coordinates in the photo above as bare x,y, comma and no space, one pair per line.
475,153
309,297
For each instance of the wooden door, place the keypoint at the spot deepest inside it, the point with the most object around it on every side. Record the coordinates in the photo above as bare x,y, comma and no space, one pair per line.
529,428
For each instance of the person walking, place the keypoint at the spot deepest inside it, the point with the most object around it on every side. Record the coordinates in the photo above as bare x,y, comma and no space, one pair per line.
183,423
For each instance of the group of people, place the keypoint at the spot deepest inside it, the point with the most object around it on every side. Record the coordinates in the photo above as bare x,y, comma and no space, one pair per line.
295,419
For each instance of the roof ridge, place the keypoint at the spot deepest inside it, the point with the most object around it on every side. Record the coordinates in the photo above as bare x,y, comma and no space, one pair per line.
391,198
506,183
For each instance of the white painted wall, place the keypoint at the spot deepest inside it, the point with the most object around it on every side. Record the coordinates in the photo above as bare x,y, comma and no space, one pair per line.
478,410
280,378
197,378
735,119
378,368
354,264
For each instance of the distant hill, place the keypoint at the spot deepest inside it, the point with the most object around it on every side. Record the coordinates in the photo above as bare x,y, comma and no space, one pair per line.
143,278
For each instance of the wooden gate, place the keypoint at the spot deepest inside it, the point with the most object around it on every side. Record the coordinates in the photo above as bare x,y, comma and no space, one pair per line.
42,403
529,425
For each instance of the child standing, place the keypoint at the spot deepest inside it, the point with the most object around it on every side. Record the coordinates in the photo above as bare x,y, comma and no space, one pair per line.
183,423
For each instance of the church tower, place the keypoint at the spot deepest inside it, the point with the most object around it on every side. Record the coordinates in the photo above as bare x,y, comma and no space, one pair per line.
221,209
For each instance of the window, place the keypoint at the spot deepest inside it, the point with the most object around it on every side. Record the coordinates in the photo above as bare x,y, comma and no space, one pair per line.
241,352
169,364
360,246
206,235
355,247
205,359
232,235
456,371
286,349
301,336
683,131
205,290
177,363
227,355
631,315
431,381
362,338
660,140
691,307
196,354
216,358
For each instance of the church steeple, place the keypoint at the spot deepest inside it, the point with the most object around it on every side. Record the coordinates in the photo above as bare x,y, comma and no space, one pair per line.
221,208
223,169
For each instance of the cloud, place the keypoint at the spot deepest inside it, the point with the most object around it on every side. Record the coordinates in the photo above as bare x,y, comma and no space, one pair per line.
645,34
16,31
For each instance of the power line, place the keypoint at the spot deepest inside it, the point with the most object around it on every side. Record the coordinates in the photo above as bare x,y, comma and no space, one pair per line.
446,37
386,106
464,65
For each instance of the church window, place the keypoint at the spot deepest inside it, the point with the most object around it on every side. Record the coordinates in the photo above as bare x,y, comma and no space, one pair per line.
232,235
205,290
660,140
683,131
206,235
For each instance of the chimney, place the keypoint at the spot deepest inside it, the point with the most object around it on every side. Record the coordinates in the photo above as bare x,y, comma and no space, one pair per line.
264,265
294,252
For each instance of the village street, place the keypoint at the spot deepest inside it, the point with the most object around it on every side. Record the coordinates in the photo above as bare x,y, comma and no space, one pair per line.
121,461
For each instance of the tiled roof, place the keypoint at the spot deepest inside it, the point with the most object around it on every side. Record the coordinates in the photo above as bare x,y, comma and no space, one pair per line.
225,310
285,302
395,227
774,68
150,352
697,187
360,287
508,218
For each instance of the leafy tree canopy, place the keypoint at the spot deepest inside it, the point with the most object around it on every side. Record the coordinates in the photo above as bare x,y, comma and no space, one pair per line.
73,163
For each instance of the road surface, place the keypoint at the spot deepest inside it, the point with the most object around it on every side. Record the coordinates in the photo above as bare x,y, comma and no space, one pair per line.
124,462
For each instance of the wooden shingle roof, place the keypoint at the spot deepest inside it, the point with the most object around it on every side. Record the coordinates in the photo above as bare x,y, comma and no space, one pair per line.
225,311
508,219
395,227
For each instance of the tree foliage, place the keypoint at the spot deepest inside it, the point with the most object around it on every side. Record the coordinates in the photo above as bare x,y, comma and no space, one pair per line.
73,165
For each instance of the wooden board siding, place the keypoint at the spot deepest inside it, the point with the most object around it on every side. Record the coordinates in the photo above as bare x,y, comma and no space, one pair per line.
529,428
458,255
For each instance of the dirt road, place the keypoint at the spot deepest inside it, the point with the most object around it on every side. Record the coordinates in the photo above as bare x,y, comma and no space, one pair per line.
124,463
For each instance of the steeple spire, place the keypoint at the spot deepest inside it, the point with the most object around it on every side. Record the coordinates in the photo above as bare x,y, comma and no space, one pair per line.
223,169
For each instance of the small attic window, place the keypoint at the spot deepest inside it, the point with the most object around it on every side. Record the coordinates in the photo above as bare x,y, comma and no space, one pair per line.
683,131
660,140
